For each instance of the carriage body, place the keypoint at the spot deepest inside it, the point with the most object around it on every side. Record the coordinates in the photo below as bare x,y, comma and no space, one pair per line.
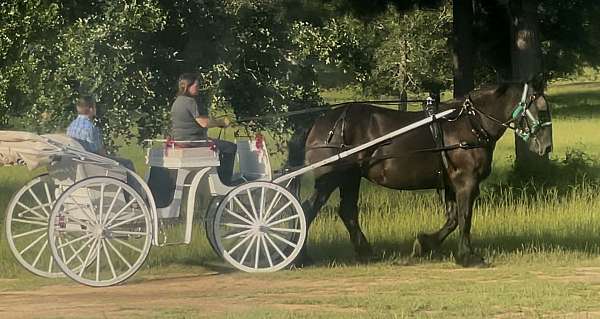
102,218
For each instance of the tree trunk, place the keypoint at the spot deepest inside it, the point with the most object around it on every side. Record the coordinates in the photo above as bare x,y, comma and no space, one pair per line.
463,47
403,105
526,64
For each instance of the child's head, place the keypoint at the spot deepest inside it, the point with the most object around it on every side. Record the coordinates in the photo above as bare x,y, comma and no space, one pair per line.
86,106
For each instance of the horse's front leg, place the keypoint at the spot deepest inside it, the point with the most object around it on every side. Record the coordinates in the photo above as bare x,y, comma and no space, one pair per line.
430,243
465,197
324,186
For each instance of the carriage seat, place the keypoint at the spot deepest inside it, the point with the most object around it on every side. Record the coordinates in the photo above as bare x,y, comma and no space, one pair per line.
253,160
177,157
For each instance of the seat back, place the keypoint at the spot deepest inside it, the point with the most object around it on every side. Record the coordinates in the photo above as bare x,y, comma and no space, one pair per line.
172,157
253,159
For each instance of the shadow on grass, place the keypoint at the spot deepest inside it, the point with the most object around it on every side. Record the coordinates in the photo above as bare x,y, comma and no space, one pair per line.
581,100
553,180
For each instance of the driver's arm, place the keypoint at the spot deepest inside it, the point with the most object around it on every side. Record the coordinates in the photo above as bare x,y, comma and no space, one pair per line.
207,122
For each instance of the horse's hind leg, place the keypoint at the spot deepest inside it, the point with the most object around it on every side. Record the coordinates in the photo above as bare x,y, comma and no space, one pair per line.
427,243
324,186
348,212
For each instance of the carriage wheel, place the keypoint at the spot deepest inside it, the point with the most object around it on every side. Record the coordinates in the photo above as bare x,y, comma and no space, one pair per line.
209,224
259,227
111,224
27,226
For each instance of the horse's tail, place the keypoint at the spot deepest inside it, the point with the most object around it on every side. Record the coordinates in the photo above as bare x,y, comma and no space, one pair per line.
296,147
296,156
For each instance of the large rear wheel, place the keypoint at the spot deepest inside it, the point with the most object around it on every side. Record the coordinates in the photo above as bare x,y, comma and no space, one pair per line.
110,223
27,226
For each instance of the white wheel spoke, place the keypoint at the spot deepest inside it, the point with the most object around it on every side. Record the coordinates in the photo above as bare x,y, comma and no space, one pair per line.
267,252
261,207
282,220
125,221
234,235
37,230
37,200
100,209
76,252
62,245
84,210
90,197
118,253
127,245
273,203
254,213
278,212
37,240
237,225
275,246
112,204
37,258
235,199
120,212
257,256
50,263
50,201
110,264
30,210
98,250
133,233
239,245
286,230
238,216
248,249
73,251
283,240
87,257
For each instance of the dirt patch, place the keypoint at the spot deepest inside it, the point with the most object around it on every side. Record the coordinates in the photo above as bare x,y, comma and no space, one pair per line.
208,295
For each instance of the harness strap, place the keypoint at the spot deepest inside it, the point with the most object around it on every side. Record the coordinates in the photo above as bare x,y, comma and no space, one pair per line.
342,119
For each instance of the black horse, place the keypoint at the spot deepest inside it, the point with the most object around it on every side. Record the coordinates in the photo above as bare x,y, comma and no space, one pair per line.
415,161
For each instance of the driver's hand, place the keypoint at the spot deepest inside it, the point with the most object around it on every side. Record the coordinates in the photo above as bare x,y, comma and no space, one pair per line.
225,121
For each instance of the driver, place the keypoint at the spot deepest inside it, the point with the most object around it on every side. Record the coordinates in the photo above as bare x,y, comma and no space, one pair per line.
190,122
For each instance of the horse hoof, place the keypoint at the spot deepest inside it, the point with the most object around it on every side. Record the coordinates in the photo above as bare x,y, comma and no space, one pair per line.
423,246
302,262
471,260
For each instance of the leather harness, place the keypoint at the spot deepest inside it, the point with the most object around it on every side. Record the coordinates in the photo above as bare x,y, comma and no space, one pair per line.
481,135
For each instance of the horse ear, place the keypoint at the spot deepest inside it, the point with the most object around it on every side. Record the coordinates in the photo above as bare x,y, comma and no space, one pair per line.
538,82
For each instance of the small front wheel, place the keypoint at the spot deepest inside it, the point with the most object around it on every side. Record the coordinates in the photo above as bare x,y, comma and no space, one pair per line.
110,224
259,227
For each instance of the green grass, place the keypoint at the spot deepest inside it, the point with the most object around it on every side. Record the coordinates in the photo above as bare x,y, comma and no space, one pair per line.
532,232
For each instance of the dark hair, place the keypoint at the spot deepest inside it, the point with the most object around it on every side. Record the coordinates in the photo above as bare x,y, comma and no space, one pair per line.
185,81
84,103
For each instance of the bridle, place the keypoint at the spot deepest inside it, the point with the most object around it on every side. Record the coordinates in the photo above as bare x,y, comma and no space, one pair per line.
522,120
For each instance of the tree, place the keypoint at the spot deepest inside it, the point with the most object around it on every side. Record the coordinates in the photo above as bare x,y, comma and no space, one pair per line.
462,36
526,62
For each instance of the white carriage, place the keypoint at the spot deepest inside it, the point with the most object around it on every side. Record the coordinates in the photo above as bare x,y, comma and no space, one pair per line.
95,220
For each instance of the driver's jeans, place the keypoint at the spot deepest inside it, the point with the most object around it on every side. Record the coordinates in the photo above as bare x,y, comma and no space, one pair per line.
227,160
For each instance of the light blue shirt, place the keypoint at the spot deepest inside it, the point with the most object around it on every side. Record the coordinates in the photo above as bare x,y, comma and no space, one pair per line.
83,130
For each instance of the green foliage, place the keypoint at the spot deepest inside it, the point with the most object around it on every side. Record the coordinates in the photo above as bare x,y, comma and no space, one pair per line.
393,52
413,55
55,60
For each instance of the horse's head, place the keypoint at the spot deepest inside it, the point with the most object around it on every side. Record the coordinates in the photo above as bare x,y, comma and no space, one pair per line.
532,121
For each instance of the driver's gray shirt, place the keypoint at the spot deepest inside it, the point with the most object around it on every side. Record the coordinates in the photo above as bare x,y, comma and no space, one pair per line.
184,112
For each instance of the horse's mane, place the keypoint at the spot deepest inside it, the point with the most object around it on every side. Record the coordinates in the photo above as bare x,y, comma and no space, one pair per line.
496,90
